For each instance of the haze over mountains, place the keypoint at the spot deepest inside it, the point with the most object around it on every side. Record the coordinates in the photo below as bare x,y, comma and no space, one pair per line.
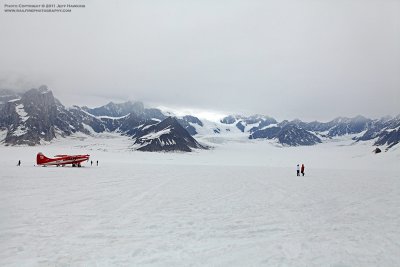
37,117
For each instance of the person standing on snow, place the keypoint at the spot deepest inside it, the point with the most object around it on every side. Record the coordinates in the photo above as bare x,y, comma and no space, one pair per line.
19,163
302,169
298,170
91,163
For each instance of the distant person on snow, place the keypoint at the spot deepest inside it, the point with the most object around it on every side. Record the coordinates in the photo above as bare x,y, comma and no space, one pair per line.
302,169
19,163
91,163
298,170
97,163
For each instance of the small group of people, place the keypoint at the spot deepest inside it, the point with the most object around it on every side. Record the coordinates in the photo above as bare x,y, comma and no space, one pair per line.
300,169
91,163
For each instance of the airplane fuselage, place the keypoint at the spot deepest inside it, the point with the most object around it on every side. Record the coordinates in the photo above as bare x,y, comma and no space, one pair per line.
61,160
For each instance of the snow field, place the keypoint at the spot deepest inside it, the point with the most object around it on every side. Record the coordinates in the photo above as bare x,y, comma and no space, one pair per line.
236,205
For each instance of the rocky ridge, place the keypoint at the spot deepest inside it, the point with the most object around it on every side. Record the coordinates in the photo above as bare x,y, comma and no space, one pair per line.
36,117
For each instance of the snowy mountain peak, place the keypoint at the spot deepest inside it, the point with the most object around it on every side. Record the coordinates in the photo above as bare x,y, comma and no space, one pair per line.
116,110
36,116
167,135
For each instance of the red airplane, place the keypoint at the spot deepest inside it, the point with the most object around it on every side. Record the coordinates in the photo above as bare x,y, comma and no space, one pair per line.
62,160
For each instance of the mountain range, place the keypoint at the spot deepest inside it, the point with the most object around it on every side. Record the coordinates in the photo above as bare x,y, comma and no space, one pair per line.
36,116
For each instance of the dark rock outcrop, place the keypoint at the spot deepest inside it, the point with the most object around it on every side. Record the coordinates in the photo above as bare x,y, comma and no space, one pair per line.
343,126
241,126
259,121
228,120
7,95
37,116
377,150
386,131
167,135
193,119
288,134
390,135
188,127
116,110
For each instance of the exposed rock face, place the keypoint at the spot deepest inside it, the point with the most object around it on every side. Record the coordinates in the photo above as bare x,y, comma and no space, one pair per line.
377,150
188,127
32,118
7,95
188,121
124,117
241,126
386,131
289,134
293,136
389,138
267,121
267,133
87,119
167,135
252,123
116,110
228,120
343,126
376,129
9,116
263,120
192,119
390,135
37,116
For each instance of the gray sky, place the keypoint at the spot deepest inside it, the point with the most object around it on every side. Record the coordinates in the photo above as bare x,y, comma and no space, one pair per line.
311,59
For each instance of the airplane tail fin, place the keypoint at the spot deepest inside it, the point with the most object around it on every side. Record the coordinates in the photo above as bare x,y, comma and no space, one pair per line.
41,159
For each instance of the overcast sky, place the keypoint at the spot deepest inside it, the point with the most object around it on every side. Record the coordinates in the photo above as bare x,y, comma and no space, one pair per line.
288,59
